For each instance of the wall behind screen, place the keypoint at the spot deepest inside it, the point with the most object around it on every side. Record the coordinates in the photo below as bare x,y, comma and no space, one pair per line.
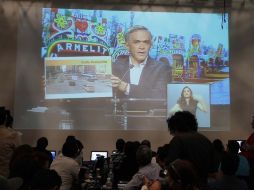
242,87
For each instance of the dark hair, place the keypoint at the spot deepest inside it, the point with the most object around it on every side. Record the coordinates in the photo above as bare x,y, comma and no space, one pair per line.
5,117
218,145
42,143
70,149
80,146
19,152
70,138
182,100
182,121
134,29
120,145
143,155
229,163
9,119
146,142
46,179
42,158
2,115
233,147
184,174
162,152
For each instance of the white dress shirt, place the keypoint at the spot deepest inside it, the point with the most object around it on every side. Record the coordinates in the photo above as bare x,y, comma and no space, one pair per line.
136,71
135,74
68,169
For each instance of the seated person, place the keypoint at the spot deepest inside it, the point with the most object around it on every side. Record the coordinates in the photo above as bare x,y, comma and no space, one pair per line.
243,169
46,179
66,166
182,175
9,140
41,146
117,160
129,165
229,180
146,169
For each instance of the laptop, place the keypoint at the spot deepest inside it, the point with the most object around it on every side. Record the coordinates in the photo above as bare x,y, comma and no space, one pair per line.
240,142
53,153
96,154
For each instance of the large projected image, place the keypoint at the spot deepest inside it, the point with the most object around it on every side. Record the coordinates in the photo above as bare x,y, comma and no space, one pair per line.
125,70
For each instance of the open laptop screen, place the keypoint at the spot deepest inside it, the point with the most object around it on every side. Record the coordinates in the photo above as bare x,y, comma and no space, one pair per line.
240,142
53,153
96,154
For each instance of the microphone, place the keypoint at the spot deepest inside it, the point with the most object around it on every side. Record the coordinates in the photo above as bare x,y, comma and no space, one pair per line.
130,67
115,99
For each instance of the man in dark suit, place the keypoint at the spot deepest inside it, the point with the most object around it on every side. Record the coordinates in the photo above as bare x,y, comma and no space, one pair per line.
138,75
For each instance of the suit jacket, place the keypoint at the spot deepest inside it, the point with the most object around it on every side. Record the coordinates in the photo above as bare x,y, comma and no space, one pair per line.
153,80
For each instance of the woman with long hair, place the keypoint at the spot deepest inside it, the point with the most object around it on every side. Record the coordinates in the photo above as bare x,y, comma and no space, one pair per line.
189,102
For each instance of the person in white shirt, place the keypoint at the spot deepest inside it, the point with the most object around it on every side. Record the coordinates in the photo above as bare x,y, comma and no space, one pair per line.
66,165
148,170
9,140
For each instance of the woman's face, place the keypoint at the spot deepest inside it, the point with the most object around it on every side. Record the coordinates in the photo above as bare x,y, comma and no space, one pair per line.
187,93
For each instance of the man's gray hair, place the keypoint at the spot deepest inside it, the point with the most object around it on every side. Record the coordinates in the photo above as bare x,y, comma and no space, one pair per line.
134,29
143,155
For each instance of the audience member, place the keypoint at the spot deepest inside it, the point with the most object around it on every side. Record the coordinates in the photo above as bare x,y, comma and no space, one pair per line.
146,168
41,146
219,151
66,166
161,156
182,175
152,184
117,160
9,119
11,183
120,145
148,143
79,157
243,169
84,178
42,159
9,140
80,146
248,152
188,144
70,138
129,165
101,169
228,181
23,164
46,179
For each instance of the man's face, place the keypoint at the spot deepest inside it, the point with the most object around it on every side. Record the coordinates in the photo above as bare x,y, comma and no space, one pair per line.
139,44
